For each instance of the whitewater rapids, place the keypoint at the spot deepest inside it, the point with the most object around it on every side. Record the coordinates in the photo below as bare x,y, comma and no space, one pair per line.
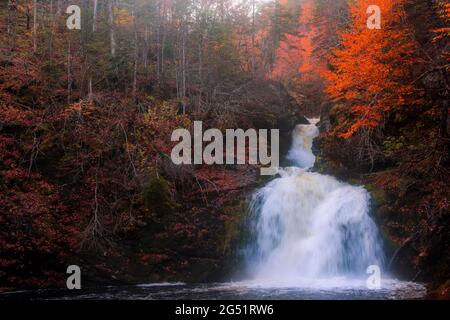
310,226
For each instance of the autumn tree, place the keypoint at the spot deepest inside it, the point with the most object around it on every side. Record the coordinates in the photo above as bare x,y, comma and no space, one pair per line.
301,55
372,69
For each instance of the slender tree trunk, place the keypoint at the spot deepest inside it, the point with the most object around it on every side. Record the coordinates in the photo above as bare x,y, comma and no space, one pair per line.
42,21
69,76
177,78
94,18
59,8
158,41
94,28
158,60
163,39
162,54
90,95
28,18
183,70
111,27
253,62
35,25
8,28
200,69
52,31
12,21
144,50
136,52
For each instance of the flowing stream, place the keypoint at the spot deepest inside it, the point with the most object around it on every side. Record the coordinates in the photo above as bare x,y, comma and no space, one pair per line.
313,239
310,226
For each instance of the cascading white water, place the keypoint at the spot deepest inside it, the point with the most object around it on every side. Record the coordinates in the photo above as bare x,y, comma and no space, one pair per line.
300,153
311,226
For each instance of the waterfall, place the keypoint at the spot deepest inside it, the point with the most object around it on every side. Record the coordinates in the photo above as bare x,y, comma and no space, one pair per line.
311,226
300,153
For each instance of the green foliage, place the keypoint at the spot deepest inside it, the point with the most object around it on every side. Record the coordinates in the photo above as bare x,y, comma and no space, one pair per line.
393,144
236,212
158,198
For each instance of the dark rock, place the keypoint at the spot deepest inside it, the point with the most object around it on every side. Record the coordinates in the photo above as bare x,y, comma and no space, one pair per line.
266,104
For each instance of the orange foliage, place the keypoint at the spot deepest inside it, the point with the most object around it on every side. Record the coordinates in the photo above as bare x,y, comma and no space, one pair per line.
295,54
122,17
444,13
372,69
288,57
443,33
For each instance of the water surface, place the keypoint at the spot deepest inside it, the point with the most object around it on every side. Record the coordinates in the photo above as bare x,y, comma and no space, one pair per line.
329,289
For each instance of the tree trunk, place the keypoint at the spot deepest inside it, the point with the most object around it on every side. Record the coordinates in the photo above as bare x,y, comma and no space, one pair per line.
94,18
158,44
12,20
183,74
111,27
163,39
69,76
50,45
253,62
200,70
9,17
35,25
90,95
145,50
136,52
28,18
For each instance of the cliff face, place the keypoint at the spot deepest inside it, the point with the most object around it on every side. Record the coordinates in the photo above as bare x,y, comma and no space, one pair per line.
406,168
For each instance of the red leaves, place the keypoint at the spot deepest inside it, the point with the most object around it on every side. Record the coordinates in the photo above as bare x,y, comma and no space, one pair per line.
79,109
295,58
372,71
154,257
15,116
31,225
216,180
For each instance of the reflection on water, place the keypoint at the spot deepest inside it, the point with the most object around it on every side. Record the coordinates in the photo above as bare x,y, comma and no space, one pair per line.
341,289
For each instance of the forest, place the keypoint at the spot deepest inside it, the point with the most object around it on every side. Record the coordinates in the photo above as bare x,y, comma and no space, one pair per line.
86,117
